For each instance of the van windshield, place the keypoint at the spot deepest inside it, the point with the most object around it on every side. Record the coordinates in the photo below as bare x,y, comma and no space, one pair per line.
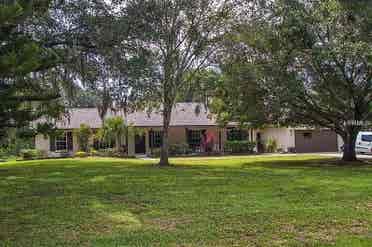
367,138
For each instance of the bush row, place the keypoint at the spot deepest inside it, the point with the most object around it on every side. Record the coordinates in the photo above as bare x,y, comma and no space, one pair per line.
239,146
108,152
230,146
32,154
174,149
234,147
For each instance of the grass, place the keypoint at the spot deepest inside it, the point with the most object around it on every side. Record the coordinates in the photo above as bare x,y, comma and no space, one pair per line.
245,201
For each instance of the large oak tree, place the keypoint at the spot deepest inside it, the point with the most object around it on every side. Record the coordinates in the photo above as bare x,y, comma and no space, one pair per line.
313,60
181,37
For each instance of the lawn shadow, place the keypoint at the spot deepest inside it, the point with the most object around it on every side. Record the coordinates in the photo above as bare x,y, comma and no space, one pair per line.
131,200
329,163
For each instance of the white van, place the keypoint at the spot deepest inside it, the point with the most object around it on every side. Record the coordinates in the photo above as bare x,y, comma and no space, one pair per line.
363,143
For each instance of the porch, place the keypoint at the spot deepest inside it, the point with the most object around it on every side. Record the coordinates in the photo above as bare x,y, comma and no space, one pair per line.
196,139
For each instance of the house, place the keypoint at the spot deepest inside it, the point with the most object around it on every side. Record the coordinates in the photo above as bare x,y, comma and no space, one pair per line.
189,122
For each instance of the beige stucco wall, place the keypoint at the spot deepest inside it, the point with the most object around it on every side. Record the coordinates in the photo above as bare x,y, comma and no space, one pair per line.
177,135
75,142
285,137
131,143
42,142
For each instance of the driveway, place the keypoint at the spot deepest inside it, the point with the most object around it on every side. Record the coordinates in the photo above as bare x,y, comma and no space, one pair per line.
339,155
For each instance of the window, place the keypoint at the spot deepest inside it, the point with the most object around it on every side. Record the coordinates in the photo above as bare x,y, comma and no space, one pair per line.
235,134
194,138
61,142
367,138
156,138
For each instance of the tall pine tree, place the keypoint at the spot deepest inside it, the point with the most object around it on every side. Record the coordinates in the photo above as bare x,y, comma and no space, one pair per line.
29,88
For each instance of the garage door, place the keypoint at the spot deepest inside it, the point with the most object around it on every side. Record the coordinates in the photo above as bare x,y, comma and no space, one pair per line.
315,141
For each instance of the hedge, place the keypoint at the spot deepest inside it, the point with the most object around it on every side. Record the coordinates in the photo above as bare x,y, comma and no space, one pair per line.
239,146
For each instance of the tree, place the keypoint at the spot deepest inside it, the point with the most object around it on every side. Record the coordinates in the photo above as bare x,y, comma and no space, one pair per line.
83,134
84,98
29,84
178,37
200,87
237,96
313,59
114,129
15,140
46,46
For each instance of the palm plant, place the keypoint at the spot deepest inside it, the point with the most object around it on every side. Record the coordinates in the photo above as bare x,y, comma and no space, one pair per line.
114,129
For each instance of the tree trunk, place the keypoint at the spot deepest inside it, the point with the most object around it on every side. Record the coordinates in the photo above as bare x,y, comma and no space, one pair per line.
117,144
126,132
349,139
164,154
127,141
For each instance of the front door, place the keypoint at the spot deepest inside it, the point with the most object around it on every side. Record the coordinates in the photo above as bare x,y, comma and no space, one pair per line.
140,147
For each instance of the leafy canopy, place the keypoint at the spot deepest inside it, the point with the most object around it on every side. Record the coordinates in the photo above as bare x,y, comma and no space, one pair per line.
28,87
312,59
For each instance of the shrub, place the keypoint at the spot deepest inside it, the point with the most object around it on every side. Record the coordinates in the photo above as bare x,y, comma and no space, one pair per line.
155,152
271,145
108,152
12,145
83,134
31,154
94,152
119,154
179,149
114,129
239,146
174,149
81,154
4,152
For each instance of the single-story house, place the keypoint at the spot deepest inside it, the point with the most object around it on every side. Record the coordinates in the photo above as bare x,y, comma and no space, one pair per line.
189,122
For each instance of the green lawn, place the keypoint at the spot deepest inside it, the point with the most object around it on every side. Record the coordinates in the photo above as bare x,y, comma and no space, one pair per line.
247,201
